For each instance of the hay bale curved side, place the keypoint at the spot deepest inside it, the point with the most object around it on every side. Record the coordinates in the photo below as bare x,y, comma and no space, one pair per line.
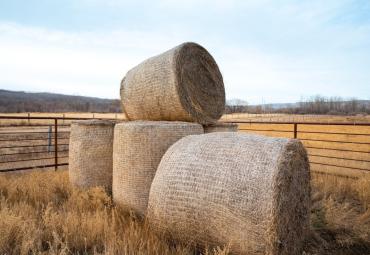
220,127
245,191
138,149
90,154
181,84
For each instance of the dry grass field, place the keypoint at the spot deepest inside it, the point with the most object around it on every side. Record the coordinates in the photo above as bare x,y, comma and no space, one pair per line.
336,149
40,213
15,122
227,117
345,147
295,117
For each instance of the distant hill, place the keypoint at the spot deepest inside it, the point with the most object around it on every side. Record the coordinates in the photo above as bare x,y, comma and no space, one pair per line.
19,101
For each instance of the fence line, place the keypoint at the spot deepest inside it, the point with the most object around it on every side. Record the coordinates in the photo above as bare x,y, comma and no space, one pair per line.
24,153
352,157
351,150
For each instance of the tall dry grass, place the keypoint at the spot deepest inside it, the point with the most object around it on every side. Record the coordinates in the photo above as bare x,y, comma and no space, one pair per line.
340,215
40,213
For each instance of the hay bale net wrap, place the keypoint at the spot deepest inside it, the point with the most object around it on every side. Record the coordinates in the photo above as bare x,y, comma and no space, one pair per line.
220,127
246,191
138,149
90,153
183,84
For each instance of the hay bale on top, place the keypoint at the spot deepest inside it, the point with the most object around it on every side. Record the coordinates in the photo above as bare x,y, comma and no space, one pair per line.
138,149
182,84
220,127
247,191
90,154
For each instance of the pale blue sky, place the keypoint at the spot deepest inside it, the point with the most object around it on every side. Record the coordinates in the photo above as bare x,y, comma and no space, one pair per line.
268,50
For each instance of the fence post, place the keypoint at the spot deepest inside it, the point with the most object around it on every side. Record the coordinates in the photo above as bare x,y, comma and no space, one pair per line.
49,138
295,130
29,120
56,143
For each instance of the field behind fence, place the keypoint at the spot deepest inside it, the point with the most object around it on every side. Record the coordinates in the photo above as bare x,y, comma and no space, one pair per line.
29,141
335,148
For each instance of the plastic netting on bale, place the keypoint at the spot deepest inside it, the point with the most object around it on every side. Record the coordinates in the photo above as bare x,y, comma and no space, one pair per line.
248,192
138,149
90,153
183,84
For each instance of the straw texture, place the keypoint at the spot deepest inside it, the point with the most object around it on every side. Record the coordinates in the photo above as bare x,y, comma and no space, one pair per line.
246,191
138,149
220,127
182,84
90,154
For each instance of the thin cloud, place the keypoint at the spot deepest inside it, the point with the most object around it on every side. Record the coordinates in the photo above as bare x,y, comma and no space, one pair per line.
265,49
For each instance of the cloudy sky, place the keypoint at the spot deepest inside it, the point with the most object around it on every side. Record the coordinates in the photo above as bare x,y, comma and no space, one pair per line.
268,50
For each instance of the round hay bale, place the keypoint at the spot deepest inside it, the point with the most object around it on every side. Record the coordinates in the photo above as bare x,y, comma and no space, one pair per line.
220,127
90,153
137,150
248,192
182,84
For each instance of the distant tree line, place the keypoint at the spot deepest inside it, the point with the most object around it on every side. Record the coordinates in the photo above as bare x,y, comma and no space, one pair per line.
16,102
333,106
311,105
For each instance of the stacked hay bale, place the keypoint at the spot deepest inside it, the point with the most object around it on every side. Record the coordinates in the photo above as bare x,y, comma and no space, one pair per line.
246,191
90,154
138,149
182,84
220,127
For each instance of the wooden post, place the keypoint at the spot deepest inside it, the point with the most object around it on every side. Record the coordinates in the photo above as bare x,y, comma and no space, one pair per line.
295,130
56,143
